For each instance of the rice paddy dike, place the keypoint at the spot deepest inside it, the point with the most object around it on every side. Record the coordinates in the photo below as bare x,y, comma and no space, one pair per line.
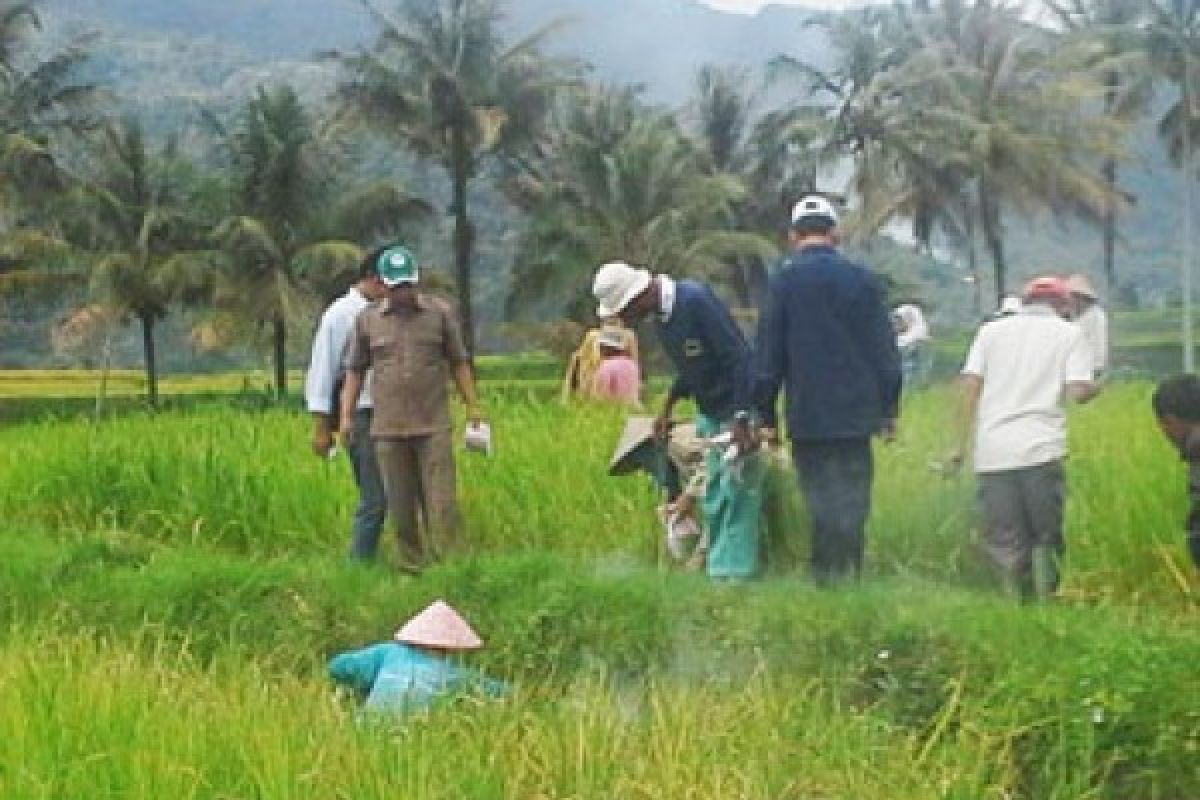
172,584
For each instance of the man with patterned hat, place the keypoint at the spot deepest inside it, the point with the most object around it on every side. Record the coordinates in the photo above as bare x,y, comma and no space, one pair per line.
712,362
420,666
825,337
412,343
1017,374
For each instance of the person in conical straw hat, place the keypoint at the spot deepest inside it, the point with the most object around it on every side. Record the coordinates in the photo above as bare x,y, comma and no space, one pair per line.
420,666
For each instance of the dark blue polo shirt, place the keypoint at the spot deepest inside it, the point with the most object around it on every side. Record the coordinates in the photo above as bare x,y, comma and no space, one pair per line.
826,334
708,351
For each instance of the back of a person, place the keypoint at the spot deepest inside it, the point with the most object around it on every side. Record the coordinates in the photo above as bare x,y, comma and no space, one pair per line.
833,387
1022,421
618,379
707,348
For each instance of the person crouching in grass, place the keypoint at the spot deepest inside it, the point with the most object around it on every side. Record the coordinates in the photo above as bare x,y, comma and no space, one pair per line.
417,669
1176,403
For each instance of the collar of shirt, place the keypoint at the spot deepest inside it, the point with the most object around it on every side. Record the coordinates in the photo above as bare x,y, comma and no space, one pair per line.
1037,310
388,308
357,298
813,250
666,289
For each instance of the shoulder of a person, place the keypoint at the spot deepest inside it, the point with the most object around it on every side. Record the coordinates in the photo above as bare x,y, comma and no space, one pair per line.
438,305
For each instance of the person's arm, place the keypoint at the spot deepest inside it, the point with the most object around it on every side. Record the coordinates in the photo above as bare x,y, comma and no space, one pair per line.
1081,386
456,353
319,384
464,379
970,389
877,340
662,423
356,363
768,359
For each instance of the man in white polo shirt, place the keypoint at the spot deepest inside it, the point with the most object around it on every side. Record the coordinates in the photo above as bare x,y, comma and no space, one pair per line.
1019,371
322,387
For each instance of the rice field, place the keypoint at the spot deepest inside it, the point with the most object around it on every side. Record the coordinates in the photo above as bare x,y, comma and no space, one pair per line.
174,583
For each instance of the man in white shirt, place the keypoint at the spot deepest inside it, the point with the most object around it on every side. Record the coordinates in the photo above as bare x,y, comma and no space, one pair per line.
1017,374
322,388
1091,319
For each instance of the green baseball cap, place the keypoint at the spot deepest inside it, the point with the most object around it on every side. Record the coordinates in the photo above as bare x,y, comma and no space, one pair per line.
397,265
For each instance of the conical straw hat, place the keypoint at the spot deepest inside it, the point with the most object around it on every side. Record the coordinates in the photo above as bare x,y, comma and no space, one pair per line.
439,626
638,431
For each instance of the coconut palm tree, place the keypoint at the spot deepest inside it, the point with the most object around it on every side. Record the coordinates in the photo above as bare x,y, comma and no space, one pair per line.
442,79
40,100
131,220
618,179
1172,38
1108,33
290,239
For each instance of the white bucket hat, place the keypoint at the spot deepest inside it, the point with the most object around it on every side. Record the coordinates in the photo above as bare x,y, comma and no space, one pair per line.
616,285
439,626
1079,284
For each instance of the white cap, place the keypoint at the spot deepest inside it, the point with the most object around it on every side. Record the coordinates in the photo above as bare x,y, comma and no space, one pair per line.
1010,305
616,285
439,626
814,206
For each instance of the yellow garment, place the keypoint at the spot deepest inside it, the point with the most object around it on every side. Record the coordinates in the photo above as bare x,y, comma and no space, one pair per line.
580,379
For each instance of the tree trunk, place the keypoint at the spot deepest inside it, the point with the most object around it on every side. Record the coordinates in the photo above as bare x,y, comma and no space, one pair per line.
147,321
973,262
1112,82
279,335
993,237
463,233
1189,361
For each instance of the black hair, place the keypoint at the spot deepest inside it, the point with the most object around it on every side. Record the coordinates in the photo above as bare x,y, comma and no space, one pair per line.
813,226
1178,396
370,264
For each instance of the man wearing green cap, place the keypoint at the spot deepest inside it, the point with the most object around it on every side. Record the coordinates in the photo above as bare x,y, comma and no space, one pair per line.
413,345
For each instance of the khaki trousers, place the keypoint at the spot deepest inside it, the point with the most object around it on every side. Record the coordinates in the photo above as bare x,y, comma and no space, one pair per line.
418,476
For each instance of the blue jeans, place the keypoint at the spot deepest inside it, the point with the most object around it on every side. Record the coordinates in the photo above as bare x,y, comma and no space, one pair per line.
372,501
836,476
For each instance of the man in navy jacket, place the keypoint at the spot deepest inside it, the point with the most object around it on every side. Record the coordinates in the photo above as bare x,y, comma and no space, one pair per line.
825,334
713,363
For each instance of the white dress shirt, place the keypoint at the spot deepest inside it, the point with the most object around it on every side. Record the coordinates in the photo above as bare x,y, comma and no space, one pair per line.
329,346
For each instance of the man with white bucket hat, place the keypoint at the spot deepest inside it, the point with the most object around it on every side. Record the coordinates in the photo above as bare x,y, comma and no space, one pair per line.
419,667
712,362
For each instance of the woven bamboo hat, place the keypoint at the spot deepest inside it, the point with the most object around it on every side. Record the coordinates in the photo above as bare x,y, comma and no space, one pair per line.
440,626
638,432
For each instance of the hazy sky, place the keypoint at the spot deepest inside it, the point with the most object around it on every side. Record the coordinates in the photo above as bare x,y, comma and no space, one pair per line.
751,6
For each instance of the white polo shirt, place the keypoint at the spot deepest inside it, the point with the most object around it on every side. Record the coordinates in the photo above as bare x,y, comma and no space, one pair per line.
1025,360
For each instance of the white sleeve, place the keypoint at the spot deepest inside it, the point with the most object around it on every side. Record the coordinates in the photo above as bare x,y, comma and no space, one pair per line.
1081,360
976,363
1101,340
322,371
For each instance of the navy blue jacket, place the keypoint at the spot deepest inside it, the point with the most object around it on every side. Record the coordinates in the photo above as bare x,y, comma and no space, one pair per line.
825,331
708,350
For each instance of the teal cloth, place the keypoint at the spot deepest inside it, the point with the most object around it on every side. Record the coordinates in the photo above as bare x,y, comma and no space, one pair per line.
396,677
733,506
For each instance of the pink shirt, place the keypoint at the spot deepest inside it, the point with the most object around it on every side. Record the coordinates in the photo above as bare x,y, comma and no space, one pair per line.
619,379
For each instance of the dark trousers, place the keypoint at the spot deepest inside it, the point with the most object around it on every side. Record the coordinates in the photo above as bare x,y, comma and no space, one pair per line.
372,502
835,476
1023,526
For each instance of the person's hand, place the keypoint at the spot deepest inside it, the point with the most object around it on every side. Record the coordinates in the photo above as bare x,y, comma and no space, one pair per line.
662,427
475,416
770,436
346,430
322,442
887,431
745,437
